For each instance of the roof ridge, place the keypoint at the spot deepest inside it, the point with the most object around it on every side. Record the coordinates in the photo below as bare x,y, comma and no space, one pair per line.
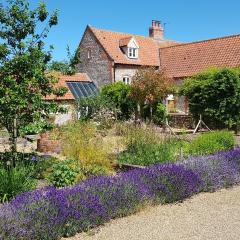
130,34
205,40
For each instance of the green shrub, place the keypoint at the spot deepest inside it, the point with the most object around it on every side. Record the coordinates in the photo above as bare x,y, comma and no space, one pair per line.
148,154
66,173
215,94
14,181
160,114
144,146
211,142
43,167
36,128
117,95
93,170
63,175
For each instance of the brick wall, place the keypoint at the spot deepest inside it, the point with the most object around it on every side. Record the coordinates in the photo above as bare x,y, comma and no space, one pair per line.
46,144
98,66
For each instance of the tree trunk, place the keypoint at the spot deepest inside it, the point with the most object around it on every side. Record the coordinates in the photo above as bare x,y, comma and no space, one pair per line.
236,129
151,113
14,142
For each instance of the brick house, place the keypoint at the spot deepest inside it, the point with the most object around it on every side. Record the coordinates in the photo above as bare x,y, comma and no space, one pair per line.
108,56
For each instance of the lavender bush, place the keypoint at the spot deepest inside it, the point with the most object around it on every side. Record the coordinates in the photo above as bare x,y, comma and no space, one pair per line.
168,183
52,213
217,170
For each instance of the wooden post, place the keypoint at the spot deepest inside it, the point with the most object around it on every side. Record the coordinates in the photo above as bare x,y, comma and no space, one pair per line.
199,125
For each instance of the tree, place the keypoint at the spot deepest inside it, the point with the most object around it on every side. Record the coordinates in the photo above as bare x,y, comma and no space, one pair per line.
24,83
66,67
215,94
117,97
150,86
60,66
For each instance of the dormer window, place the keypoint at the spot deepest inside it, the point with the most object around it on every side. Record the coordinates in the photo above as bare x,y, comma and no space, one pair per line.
129,47
132,52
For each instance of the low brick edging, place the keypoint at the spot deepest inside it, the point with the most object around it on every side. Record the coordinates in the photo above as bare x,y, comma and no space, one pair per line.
47,145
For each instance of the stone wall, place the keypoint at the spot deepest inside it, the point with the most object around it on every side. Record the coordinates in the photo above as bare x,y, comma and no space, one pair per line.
124,70
98,66
181,121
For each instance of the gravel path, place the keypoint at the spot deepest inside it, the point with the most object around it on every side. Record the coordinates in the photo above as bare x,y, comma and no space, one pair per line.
207,216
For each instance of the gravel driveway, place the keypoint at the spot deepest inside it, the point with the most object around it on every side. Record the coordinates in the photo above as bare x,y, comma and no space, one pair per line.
207,216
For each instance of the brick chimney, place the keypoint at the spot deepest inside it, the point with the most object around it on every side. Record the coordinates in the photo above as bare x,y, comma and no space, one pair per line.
156,30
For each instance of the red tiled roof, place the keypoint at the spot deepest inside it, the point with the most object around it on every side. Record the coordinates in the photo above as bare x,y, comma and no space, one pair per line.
78,77
148,47
188,59
124,41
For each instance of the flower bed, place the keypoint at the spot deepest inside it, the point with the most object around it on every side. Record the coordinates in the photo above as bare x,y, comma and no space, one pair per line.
52,213
216,170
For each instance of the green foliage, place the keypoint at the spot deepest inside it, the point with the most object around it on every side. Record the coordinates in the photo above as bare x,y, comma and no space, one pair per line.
216,95
93,170
36,128
63,175
209,143
23,63
117,95
146,147
66,173
66,67
160,114
149,154
60,66
14,181
42,166
96,108
84,144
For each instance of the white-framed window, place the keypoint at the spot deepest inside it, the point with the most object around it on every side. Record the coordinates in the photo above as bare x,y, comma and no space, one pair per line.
132,52
89,53
127,80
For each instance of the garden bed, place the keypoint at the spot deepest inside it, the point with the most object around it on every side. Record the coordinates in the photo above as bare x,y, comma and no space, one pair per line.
53,213
107,174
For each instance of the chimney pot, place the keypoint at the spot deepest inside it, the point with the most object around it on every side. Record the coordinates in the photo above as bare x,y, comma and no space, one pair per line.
156,31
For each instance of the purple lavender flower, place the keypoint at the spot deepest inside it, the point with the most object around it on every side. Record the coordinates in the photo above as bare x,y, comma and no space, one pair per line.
217,170
51,213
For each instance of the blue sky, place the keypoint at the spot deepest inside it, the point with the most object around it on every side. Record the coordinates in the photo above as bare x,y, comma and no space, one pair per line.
186,20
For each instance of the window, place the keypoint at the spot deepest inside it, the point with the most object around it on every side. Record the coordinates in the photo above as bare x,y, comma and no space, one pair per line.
126,80
89,54
132,52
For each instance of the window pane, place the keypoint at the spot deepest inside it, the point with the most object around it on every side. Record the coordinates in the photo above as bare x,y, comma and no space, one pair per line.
134,52
130,52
